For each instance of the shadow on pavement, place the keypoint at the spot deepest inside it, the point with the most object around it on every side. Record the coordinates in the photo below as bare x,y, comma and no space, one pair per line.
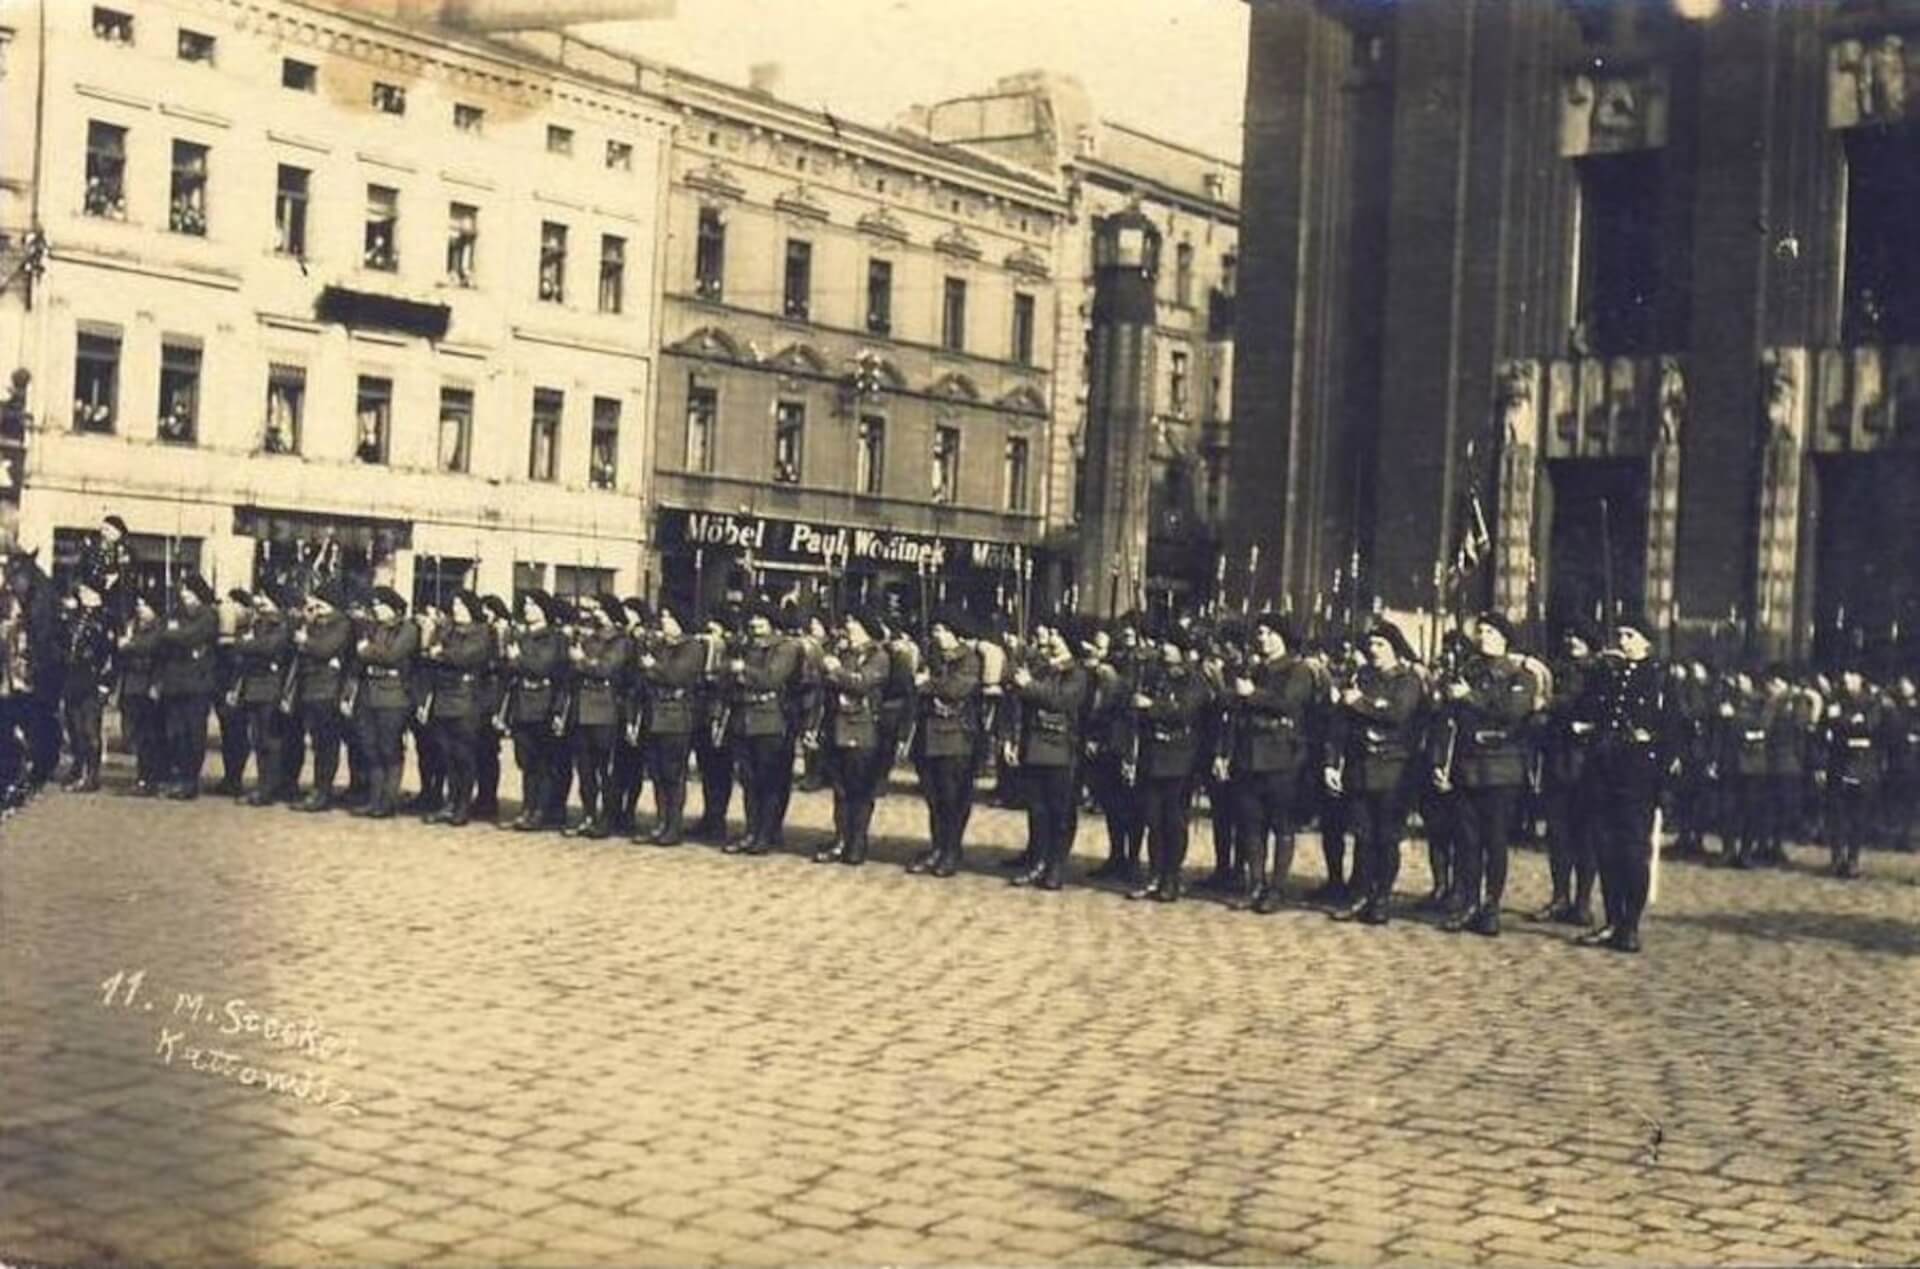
1859,931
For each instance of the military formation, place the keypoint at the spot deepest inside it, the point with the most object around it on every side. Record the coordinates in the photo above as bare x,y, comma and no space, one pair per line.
1481,745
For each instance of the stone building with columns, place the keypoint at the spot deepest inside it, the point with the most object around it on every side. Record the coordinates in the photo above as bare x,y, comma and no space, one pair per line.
309,279
1636,280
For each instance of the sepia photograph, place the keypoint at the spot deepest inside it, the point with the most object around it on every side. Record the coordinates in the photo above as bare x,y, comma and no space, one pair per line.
959,632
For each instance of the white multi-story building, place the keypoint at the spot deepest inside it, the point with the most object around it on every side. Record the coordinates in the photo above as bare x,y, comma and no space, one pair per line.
282,274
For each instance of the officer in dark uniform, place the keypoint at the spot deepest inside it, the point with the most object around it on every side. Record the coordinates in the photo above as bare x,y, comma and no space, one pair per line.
89,653
429,754
1171,701
1855,768
1490,698
185,669
713,726
854,678
323,645
234,617
1271,697
948,685
1375,736
670,671
600,656
801,701
1114,771
1632,752
628,766
1052,690
456,663
1564,745
537,657
263,654
385,653
1220,662
359,792
106,565
1696,719
139,651
1901,791
1793,726
759,680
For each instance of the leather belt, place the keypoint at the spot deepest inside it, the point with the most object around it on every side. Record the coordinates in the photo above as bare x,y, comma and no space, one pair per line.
383,672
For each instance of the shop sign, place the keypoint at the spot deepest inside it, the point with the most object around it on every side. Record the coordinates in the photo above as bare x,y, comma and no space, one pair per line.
805,541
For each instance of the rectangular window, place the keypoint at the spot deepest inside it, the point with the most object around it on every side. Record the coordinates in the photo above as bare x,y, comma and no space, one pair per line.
389,99
286,407
382,249
301,77
789,439
1177,379
543,446
1023,328
527,576
880,296
703,416
96,382
291,188
710,254
112,25
1216,488
559,140
1013,475
468,118
1619,261
1881,285
570,581
870,455
1183,274
106,193
179,407
946,464
613,273
603,462
553,262
463,242
187,202
438,578
373,415
619,156
953,315
456,429
799,279
195,47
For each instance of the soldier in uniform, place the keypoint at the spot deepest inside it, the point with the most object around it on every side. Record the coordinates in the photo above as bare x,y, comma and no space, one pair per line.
627,768
106,564
670,671
323,646
949,689
803,702
1695,788
1116,671
1374,739
1745,719
1632,751
1220,663
1564,745
1271,697
1855,767
600,659
234,616
262,655
456,663
1793,719
89,650
712,728
185,672
1490,698
1171,701
139,649
1052,689
491,701
385,653
1901,790
537,657
759,680
430,756
854,677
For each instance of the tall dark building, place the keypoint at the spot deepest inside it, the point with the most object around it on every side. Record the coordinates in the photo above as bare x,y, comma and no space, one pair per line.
1632,282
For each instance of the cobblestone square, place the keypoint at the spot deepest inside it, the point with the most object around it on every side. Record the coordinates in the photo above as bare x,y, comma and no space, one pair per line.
251,1036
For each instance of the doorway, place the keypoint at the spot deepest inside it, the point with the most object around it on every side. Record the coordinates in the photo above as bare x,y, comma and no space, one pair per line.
1597,548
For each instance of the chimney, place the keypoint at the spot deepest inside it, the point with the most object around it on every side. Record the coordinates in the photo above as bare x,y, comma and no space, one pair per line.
764,78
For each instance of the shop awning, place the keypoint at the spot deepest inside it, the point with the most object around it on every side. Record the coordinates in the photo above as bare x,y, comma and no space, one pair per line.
369,310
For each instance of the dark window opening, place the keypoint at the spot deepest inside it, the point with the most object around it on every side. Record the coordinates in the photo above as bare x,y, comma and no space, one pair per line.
1882,281
1619,257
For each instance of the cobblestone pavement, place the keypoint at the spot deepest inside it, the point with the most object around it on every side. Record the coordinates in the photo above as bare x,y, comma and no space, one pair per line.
543,1051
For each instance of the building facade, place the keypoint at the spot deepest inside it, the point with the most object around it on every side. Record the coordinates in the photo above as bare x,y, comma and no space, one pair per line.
1046,121
856,364
313,283
1578,307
